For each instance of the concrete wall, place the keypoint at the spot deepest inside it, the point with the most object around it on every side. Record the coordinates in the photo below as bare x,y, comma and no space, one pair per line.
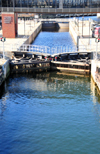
6,69
64,25
34,34
50,25
93,69
73,32
79,41
94,65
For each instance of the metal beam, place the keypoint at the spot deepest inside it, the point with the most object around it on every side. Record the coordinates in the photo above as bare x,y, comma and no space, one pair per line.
50,10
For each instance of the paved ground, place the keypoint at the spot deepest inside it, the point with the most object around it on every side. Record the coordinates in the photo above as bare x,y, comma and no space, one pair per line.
24,30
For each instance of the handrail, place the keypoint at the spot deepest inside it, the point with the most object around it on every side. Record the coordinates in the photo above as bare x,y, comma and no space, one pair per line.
50,50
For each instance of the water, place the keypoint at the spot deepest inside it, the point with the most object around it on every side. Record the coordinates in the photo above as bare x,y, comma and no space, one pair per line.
54,39
49,113
54,42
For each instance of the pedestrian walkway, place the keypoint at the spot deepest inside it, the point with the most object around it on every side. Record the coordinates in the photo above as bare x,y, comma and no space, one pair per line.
25,29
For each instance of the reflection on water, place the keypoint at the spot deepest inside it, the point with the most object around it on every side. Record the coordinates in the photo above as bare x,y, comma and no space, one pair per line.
49,113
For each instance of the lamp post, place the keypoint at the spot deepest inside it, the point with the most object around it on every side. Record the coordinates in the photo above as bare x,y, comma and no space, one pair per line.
96,40
89,29
30,23
3,39
24,25
82,25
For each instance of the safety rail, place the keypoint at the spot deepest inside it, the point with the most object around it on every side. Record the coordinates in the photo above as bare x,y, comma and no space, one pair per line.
49,50
9,47
46,49
58,49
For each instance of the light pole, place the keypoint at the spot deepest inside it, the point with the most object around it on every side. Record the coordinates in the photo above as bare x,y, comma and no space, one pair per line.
89,29
3,39
24,25
30,23
82,25
96,40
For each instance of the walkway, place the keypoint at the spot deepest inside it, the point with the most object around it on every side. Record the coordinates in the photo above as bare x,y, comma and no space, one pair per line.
24,31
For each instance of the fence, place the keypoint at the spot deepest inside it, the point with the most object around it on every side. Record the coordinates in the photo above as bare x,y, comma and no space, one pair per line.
59,49
96,55
51,50
46,49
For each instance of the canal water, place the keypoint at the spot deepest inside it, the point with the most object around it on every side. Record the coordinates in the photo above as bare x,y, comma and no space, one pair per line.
49,113
54,42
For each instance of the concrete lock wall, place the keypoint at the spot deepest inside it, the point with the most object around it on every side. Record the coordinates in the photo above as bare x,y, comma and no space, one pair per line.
55,25
94,65
33,35
93,69
6,69
72,32
64,25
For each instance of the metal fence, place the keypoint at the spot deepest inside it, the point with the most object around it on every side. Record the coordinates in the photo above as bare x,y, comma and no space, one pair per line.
46,49
59,49
51,50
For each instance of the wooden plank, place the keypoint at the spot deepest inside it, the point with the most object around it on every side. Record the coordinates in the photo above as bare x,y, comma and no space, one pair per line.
29,63
30,69
70,63
83,71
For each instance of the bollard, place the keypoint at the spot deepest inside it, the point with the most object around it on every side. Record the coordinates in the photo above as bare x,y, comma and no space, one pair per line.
32,56
50,59
45,58
55,58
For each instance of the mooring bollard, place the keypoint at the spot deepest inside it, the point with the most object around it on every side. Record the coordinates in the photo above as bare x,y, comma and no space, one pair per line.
50,59
45,58
55,58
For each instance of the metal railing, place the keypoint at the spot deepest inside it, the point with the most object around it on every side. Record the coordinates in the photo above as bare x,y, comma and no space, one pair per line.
59,49
50,4
51,50
9,47
46,49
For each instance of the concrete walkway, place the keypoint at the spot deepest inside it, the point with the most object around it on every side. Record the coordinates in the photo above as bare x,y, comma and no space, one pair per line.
24,31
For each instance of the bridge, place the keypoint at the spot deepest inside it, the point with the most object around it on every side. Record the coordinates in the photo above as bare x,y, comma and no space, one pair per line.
50,6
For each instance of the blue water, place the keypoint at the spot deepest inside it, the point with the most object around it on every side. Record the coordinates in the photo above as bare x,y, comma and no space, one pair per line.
49,113
54,39
53,42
